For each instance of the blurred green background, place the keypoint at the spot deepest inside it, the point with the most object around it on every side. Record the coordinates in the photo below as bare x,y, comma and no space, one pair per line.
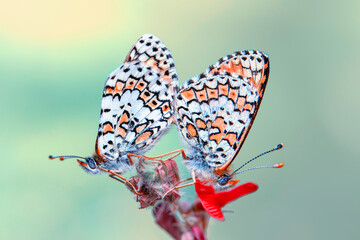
56,55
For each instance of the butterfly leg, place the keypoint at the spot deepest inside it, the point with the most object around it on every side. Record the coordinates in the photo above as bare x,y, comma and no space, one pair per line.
116,178
185,180
114,174
181,186
129,155
176,151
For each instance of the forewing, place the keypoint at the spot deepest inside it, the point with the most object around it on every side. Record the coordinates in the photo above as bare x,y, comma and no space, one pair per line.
250,65
136,104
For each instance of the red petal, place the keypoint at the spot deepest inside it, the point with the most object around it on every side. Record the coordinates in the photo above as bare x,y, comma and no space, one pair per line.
223,198
213,202
212,208
206,194
203,189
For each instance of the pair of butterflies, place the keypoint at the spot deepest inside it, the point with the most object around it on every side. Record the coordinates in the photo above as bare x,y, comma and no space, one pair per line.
213,111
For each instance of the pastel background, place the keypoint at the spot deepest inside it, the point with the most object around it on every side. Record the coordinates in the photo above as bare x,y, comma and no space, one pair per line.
56,55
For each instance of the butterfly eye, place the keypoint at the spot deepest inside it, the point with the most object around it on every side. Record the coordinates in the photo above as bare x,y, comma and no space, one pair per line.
91,163
224,179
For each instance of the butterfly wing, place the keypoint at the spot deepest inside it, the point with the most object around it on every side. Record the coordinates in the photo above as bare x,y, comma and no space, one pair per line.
251,65
216,109
135,109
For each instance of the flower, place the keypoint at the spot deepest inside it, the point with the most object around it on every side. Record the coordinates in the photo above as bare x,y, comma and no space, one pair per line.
153,179
181,220
213,202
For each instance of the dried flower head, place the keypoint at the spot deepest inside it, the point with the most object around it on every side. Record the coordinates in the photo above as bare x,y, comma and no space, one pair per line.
153,179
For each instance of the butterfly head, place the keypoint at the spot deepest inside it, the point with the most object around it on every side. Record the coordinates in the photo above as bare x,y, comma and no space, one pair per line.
224,179
88,164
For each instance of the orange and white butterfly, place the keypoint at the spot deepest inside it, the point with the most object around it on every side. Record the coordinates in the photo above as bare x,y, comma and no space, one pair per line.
135,108
215,111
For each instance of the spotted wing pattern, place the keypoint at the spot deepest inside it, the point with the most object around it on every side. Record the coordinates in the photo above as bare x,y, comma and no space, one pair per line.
250,65
135,108
216,109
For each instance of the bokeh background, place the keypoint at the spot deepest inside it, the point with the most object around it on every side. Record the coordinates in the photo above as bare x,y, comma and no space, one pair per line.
56,55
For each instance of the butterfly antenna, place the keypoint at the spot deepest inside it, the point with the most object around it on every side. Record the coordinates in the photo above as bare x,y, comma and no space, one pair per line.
278,165
61,158
279,146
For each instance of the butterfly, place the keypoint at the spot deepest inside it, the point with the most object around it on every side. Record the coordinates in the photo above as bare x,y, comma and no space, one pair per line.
215,110
135,108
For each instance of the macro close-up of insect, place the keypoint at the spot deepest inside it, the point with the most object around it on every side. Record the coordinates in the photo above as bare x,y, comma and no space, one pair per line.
104,138
213,112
